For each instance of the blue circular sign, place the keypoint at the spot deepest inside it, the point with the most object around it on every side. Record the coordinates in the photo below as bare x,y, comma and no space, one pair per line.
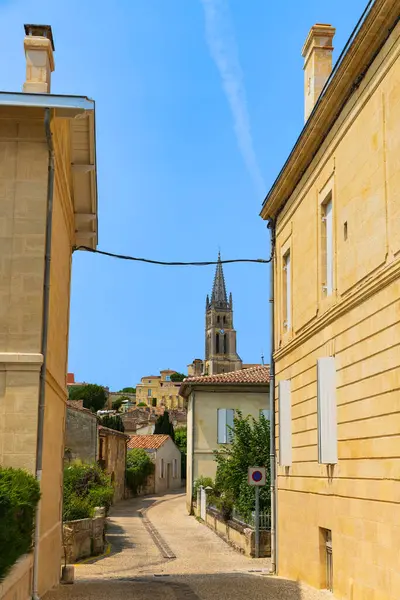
257,476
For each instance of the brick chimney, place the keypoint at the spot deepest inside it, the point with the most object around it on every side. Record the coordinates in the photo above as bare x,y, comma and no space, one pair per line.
317,53
39,47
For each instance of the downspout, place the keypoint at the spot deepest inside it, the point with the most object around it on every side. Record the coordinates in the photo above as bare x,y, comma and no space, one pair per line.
271,226
192,469
45,327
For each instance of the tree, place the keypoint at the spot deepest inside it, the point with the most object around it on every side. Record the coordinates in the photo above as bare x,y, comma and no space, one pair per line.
178,377
94,396
181,442
118,402
116,405
138,467
142,404
181,439
164,425
249,447
127,390
113,422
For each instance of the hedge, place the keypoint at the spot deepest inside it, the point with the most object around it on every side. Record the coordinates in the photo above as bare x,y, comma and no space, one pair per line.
86,486
19,496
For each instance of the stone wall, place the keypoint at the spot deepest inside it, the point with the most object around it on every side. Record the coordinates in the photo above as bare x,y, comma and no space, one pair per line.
239,537
83,538
18,583
112,456
146,490
81,435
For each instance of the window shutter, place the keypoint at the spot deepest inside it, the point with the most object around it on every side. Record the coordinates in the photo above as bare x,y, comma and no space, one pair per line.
230,413
162,469
221,426
327,420
329,248
285,424
288,293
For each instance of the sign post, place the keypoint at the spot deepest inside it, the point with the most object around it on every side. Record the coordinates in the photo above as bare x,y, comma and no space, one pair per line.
257,478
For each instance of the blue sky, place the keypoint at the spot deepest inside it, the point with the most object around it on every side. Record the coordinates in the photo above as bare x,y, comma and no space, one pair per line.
198,104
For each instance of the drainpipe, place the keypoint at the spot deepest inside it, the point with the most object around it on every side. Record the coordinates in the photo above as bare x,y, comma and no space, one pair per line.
271,226
45,327
192,469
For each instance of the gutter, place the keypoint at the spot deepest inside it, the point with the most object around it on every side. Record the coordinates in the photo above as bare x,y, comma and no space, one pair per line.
272,451
45,328
80,103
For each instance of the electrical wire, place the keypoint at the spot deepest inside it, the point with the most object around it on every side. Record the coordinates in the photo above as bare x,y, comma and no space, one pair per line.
176,264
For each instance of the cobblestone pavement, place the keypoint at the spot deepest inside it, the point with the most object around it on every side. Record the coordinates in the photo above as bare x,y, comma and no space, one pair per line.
158,551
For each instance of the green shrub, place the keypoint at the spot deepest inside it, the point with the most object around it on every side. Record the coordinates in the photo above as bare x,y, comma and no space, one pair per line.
138,467
19,495
202,482
86,486
249,447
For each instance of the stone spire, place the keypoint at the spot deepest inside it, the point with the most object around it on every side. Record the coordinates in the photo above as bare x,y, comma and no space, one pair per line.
219,298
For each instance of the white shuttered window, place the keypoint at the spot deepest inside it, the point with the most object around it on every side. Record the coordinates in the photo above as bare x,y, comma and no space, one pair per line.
285,424
327,420
225,421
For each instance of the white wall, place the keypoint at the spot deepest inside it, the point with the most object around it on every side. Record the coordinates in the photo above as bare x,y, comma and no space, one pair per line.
168,452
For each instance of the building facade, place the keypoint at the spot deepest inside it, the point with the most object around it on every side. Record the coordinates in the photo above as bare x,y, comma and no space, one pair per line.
81,433
335,215
212,401
48,206
159,391
112,457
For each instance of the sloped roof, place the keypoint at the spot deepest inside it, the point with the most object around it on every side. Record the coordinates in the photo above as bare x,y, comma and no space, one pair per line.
148,442
108,431
253,375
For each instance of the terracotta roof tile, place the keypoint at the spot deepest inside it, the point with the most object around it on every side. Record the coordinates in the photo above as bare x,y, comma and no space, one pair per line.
148,442
258,375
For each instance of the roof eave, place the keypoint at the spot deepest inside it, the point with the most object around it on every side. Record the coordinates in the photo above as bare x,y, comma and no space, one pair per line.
369,39
189,387
76,108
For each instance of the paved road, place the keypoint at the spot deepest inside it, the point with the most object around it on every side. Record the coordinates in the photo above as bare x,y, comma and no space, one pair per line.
159,552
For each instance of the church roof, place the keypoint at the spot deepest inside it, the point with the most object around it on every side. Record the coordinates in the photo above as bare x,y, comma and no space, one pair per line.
254,375
218,297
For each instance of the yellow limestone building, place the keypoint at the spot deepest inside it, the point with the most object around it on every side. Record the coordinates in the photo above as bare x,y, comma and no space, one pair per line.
334,211
48,205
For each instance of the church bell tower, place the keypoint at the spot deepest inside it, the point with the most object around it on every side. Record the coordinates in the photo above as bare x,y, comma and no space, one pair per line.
221,355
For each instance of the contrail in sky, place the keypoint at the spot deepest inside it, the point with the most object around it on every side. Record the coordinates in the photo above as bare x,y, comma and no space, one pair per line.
222,44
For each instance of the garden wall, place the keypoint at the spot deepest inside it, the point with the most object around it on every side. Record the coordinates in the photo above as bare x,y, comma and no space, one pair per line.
18,583
83,538
241,538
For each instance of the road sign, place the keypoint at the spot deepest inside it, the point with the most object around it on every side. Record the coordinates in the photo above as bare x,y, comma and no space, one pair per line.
256,476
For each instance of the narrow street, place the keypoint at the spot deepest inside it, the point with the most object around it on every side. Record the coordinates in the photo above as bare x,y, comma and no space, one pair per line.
157,551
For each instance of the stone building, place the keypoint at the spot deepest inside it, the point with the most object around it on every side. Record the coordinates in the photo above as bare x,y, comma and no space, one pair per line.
80,433
112,457
334,211
166,457
220,336
48,206
212,401
159,390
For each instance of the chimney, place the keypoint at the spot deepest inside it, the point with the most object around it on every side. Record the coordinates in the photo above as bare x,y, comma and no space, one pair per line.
317,53
39,47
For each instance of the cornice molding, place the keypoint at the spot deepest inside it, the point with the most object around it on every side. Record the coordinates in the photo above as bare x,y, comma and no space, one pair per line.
387,276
